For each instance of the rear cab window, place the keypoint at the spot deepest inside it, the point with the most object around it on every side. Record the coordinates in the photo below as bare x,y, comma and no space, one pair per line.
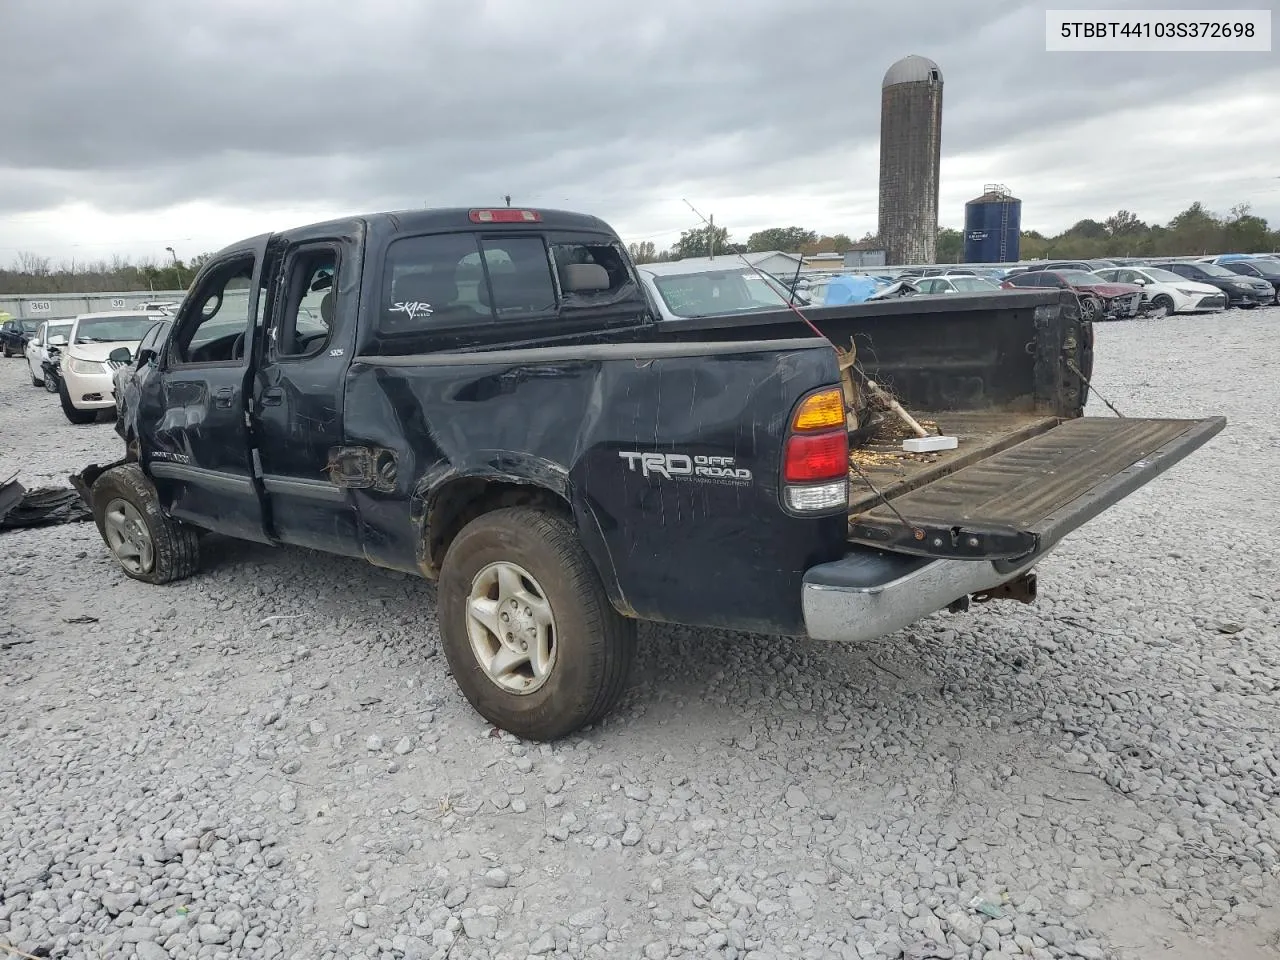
472,288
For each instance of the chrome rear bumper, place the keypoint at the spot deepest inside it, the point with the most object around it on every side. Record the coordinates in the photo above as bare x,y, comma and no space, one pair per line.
872,593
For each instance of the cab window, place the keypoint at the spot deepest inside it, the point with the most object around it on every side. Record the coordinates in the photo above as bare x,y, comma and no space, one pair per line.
461,280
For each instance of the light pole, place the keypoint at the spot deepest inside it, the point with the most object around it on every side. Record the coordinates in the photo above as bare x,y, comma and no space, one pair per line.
177,269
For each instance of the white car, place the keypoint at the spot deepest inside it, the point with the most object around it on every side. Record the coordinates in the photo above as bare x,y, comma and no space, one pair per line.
957,283
1164,289
87,368
702,287
51,333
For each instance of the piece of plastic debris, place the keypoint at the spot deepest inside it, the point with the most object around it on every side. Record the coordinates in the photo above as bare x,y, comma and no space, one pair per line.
929,444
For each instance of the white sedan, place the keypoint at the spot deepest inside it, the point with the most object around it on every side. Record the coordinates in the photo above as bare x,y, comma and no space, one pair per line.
87,366
1164,289
51,333
957,283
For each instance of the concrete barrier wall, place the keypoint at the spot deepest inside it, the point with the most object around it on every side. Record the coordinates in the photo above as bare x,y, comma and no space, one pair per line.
51,306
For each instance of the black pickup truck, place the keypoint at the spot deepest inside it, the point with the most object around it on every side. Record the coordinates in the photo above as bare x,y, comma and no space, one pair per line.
486,397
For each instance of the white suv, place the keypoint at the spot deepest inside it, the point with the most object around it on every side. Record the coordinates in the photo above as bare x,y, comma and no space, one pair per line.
87,367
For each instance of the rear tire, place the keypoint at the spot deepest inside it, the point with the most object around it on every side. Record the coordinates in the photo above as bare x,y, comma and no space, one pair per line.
74,415
586,660
127,512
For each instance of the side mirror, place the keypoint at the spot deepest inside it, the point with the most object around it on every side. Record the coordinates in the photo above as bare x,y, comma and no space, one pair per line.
120,355
1141,281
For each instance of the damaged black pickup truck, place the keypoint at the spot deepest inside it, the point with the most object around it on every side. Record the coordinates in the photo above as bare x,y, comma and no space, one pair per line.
487,398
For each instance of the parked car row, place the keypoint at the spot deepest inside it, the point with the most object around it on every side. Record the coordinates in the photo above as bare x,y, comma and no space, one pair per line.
87,360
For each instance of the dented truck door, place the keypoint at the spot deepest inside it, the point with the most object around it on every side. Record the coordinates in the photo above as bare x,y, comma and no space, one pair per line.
298,392
192,416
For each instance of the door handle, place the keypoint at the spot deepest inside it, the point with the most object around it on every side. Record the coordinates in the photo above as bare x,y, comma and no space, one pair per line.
272,397
223,396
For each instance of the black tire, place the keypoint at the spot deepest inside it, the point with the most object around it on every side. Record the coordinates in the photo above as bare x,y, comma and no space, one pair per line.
1163,302
175,546
5,348
594,644
34,381
74,415
1090,310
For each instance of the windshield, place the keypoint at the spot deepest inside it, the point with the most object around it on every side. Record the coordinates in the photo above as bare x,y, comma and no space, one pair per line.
973,284
1162,276
1079,277
112,329
29,326
60,330
1213,270
719,292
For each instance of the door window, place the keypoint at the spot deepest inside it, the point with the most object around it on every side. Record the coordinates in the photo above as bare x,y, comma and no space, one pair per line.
307,316
213,324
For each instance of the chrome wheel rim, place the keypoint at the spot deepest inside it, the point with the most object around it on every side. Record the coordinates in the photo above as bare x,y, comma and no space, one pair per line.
511,628
127,535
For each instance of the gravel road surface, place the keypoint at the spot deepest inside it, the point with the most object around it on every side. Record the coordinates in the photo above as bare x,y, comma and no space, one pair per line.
271,760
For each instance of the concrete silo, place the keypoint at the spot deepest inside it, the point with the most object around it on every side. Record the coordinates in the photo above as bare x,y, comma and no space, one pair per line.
910,148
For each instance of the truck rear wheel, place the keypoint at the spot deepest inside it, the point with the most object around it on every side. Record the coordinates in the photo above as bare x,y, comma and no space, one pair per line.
148,545
528,630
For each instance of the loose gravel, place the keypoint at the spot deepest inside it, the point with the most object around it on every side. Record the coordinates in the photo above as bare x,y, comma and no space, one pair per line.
271,760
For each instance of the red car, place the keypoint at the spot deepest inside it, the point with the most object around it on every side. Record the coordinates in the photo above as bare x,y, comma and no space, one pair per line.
1099,299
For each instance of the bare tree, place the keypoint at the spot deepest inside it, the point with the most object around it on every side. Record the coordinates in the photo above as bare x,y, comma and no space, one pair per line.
33,264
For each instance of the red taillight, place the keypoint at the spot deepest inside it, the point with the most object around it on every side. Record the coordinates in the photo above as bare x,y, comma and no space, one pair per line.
823,456
505,215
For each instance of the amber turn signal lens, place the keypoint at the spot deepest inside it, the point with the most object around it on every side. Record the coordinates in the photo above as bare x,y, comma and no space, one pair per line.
821,411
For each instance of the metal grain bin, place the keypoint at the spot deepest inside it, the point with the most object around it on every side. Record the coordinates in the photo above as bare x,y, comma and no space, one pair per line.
992,226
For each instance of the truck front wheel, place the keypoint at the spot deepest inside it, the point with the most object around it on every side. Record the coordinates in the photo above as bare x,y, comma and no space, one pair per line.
148,545
528,630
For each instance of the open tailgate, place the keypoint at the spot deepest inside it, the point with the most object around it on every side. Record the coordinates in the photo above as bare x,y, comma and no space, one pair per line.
1026,497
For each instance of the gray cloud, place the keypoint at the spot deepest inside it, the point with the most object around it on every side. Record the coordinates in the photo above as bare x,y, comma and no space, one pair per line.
614,109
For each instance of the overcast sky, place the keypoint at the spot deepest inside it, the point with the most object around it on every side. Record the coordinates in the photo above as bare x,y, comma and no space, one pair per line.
130,126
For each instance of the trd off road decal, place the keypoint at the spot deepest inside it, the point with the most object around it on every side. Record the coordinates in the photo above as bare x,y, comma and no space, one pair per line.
682,466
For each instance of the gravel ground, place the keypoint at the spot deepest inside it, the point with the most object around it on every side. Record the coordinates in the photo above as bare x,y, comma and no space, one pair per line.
270,759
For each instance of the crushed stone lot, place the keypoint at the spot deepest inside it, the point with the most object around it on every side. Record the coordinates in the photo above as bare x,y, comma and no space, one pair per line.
271,760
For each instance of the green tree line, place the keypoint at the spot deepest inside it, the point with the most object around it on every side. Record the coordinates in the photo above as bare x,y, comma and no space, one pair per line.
1195,231
34,274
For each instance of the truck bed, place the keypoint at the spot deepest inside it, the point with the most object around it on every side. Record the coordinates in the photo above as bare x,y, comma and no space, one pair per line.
894,472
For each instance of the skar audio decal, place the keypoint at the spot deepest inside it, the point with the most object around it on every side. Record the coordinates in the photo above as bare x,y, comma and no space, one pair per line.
682,466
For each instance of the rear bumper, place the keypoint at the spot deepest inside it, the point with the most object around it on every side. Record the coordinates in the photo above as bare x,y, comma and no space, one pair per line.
871,593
